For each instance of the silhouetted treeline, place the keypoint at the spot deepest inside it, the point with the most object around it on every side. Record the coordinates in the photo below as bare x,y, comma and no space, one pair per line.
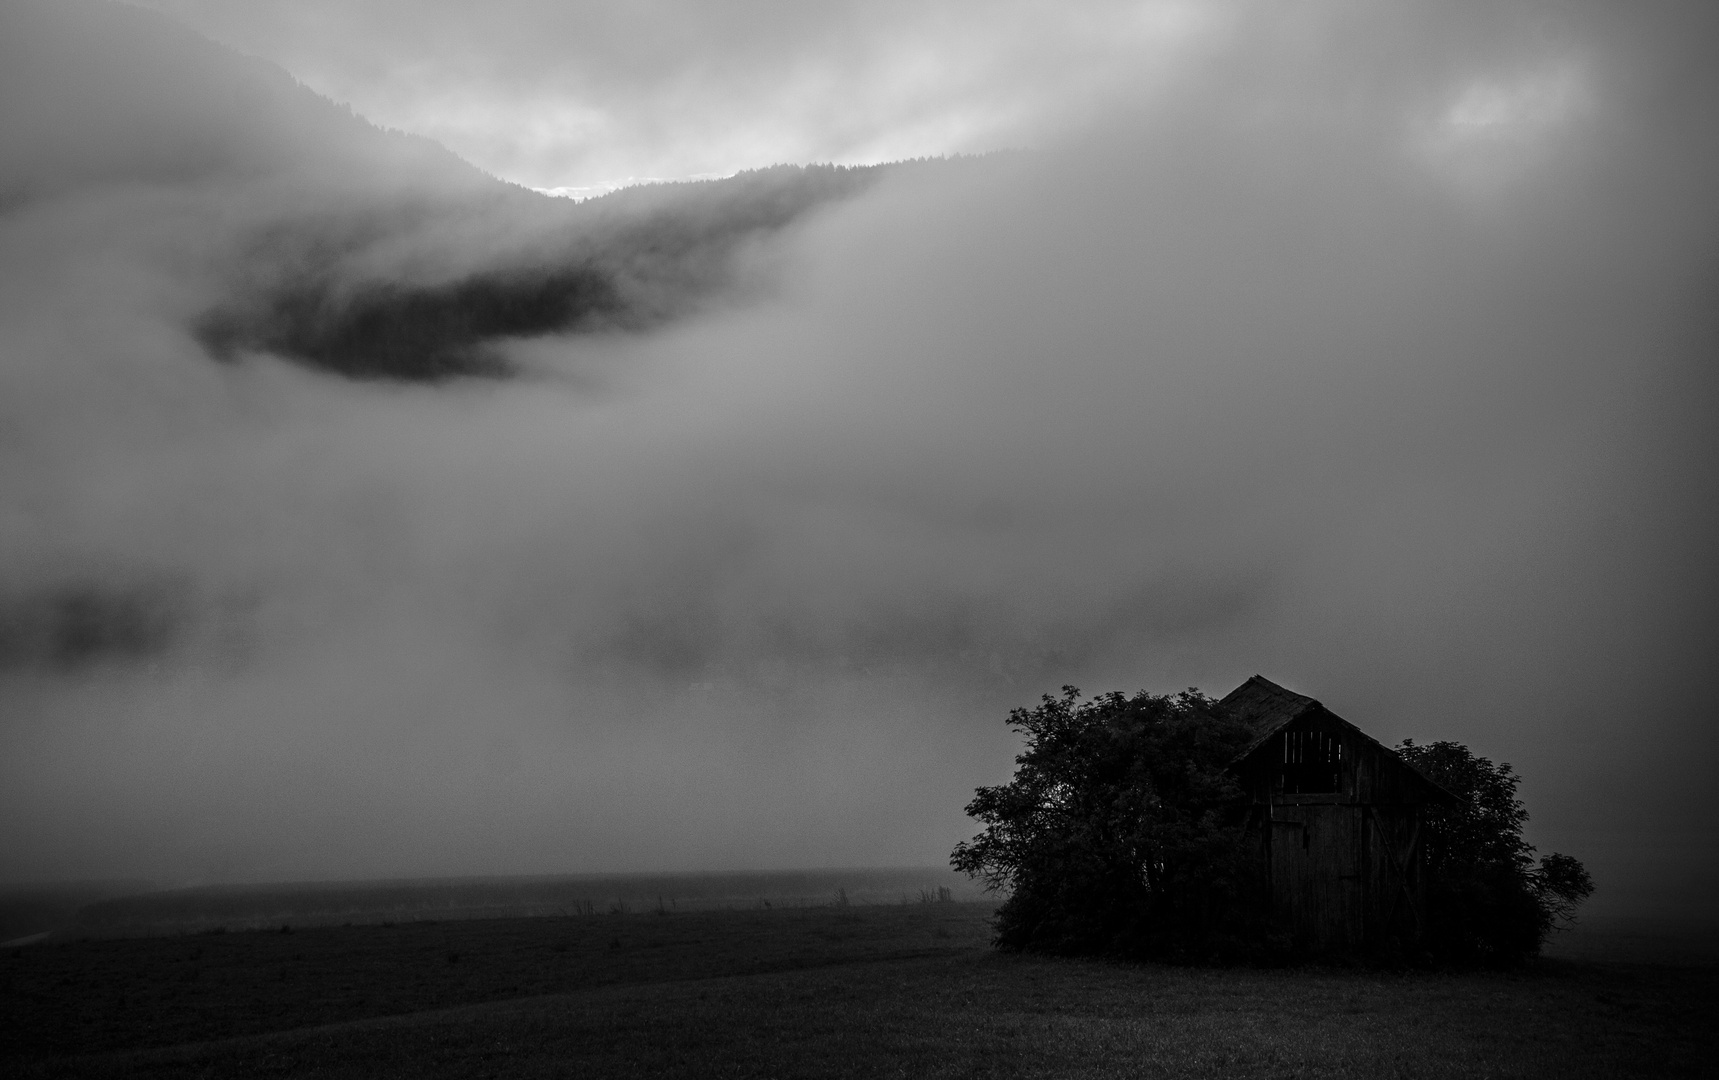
628,261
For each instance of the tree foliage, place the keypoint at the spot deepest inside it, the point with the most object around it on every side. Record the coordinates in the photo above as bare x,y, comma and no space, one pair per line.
1114,835
1489,901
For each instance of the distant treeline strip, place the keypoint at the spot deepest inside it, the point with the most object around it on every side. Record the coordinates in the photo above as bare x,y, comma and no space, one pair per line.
236,907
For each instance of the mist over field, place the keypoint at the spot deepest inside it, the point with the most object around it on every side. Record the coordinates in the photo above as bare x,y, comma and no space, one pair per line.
719,526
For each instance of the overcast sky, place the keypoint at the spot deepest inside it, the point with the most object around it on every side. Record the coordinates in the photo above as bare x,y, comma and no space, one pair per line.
1367,348
555,94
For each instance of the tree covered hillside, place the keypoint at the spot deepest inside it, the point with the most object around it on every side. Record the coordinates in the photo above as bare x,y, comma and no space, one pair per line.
334,243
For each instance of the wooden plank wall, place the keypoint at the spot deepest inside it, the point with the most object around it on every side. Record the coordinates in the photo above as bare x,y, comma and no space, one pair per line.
1316,874
1344,867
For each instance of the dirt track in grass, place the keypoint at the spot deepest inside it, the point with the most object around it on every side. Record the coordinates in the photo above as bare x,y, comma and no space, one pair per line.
861,991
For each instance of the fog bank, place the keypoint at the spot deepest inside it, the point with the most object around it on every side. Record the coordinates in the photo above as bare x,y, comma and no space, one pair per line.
1373,355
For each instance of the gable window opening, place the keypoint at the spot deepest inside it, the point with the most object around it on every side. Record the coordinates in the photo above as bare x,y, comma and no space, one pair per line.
1312,763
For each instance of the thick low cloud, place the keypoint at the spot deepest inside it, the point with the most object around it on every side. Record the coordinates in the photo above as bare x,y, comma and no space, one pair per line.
1374,355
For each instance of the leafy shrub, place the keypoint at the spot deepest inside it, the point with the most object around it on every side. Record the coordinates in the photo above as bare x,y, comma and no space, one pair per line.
1488,901
1116,834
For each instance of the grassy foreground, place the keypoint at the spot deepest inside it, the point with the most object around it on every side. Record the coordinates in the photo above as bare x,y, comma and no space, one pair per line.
856,991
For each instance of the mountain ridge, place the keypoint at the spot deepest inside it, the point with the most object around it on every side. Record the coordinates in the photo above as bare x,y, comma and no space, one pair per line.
354,249
96,92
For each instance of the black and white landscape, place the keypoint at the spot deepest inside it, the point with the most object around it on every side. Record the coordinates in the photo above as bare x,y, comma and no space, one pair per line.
368,512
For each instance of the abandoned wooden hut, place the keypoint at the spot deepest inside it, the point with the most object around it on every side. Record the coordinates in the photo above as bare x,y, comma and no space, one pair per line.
1338,818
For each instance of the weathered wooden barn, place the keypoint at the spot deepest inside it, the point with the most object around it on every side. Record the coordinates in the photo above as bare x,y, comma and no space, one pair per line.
1339,822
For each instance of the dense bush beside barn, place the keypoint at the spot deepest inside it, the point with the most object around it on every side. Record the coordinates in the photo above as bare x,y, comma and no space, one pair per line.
1115,834
1488,900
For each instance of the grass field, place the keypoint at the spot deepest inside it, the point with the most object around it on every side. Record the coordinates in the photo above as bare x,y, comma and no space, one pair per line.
898,990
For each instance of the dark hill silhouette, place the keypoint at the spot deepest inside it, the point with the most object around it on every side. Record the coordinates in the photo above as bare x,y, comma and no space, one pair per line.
92,91
362,252
626,262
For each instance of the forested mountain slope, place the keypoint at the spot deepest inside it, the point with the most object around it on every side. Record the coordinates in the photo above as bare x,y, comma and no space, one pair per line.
336,244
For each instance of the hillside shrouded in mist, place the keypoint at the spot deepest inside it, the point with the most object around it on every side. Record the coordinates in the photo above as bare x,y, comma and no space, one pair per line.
361,515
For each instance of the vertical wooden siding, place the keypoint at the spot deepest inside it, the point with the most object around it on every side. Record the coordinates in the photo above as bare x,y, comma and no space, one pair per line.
1316,874
1343,865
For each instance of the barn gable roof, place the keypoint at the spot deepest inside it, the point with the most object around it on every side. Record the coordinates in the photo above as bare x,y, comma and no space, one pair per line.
1269,708
1265,706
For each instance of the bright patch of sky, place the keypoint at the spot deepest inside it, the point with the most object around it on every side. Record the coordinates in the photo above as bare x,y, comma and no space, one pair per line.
1495,127
1506,107
581,192
582,99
